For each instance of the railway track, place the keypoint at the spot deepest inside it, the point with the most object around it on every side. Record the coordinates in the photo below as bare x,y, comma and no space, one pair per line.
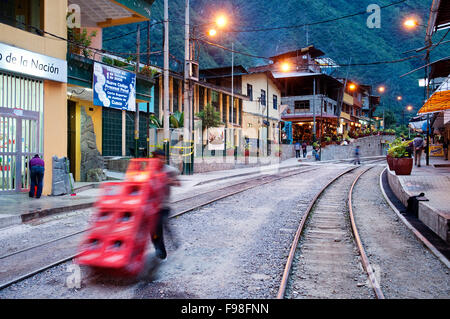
14,269
326,253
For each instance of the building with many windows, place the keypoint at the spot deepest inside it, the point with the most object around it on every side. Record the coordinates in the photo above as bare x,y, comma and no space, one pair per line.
33,76
101,123
260,110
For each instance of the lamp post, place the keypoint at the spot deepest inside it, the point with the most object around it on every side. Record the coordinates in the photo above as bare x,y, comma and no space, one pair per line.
412,23
166,81
189,57
381,89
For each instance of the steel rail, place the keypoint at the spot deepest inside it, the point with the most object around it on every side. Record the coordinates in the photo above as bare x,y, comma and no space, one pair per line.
287,269
365,261
32,273
192,197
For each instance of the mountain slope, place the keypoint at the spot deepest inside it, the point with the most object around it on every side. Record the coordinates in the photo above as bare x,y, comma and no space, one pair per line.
341,40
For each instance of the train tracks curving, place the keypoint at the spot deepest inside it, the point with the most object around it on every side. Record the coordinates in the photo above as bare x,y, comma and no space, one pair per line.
326,253
25,263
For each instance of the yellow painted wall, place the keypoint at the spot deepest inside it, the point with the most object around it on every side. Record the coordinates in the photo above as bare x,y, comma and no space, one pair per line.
55,99
259,82
55,127
250,131
96,116
348,99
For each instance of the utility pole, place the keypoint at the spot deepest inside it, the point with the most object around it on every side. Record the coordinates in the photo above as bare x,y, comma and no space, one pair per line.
148,104
232,91
187,109
136,119
166,81
427,78
314,109
267,118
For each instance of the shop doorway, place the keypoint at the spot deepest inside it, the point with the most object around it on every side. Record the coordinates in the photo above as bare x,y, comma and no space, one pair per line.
21,133
71,134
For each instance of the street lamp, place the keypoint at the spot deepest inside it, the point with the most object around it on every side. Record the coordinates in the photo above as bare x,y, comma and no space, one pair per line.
399,98
381,89
212,32
411,23
221,21
285,67
190,56
352,87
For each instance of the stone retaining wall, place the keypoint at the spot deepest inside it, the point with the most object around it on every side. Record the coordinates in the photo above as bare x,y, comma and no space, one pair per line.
374,145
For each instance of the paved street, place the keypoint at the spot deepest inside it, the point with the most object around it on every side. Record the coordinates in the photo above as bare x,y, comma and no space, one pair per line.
233,248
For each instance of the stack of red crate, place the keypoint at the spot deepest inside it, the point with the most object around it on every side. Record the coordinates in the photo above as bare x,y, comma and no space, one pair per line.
126,215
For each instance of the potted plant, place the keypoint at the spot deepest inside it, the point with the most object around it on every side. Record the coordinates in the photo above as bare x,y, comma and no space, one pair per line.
389,156
402,161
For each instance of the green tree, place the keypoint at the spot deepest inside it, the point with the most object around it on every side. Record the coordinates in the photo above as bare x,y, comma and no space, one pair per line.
210,118
176,120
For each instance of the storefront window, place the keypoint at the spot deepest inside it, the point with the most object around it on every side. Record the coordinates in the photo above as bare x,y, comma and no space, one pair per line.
23,14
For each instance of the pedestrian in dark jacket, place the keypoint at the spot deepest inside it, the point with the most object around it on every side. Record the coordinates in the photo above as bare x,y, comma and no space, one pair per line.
37,168
304,149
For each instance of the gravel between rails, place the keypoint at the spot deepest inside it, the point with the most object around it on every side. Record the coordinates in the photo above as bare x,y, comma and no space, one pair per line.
407,269
327,262
233,248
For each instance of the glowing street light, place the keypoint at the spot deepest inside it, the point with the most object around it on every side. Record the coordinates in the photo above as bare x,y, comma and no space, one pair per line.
410,23
212,32
409,108
285,67
352,87
399,98
381,89
221,21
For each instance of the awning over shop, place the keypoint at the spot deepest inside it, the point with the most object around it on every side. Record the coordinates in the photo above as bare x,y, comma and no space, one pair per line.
439,101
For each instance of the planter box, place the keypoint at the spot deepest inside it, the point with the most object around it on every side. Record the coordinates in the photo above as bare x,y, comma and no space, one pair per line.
390,161
403,166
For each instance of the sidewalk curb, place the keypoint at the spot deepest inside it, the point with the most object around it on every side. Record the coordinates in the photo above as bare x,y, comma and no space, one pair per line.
53,211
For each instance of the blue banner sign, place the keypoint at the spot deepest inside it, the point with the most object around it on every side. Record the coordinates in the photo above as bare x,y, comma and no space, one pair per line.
114,88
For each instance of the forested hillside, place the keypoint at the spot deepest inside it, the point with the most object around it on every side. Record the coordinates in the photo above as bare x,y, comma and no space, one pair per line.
345,41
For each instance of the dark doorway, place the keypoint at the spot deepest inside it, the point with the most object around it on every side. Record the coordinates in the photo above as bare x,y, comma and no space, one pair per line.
71,134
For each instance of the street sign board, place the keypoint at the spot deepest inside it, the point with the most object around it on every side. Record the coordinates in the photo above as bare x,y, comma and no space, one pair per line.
114,87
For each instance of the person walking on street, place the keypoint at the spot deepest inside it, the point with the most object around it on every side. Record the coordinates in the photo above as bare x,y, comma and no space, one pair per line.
357,156
297,149
172,180
445,147
304,149
37,168
418,149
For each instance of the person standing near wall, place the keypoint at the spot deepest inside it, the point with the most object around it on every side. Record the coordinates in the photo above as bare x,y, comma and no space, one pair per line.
418,149
37,168
357,155
445,147
297,149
